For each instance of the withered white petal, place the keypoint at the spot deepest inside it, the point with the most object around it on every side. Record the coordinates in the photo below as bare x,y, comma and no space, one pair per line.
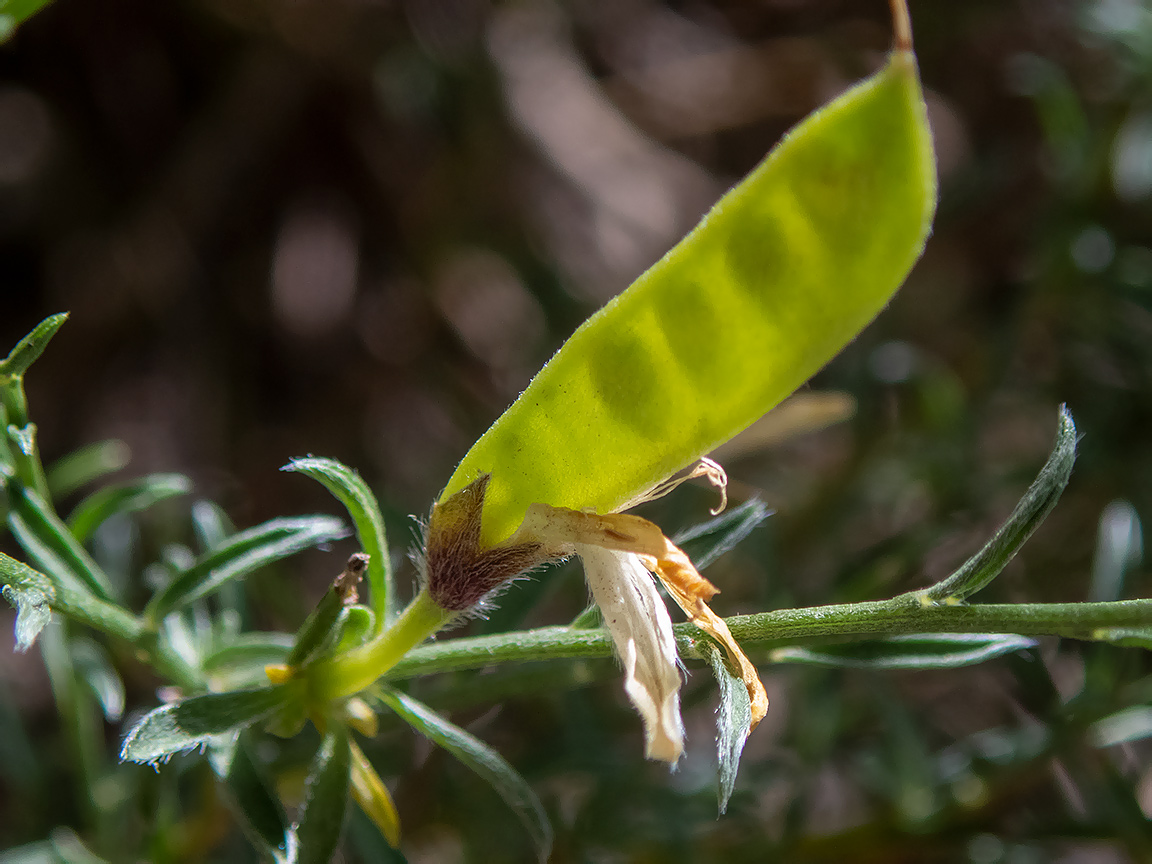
640,626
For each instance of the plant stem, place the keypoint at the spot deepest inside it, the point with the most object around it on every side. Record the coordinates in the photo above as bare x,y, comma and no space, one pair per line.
349,673
903,614
27,464
907,614
76,713
100,615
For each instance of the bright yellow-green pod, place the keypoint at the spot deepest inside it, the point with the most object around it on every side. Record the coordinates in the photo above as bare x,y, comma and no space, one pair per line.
784,271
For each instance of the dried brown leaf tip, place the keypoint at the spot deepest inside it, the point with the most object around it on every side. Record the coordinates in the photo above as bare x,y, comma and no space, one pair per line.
345,584
459,572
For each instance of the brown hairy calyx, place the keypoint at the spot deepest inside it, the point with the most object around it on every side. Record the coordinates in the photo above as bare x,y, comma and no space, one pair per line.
460,573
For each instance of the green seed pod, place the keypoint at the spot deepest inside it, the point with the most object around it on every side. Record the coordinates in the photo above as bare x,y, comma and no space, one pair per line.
784,271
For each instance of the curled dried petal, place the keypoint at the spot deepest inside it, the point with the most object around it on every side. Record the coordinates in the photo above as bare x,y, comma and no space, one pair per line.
613,545
687,588
642,631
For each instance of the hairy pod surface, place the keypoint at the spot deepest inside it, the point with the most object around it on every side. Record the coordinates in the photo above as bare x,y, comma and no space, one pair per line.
783,272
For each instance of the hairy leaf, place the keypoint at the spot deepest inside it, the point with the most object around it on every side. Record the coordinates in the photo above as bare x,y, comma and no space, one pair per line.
1030,512
347,485
28,349
79,468
124,498
914,651
32,593
325,800
732,719
1129,637
211,524
241,554
62,847
93,666
194,721
1123,727
36,526
482,759
40,852
706,542
251,796
243,657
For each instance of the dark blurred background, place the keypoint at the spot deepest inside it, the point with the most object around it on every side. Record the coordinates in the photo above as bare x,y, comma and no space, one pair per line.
355,228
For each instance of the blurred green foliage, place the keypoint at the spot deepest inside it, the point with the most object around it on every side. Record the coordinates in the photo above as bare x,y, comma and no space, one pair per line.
357,229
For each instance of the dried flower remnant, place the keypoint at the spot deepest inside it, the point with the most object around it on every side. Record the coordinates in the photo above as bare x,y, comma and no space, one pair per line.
620,553
641,629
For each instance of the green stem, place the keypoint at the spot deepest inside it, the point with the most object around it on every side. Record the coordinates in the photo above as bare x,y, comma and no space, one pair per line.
100,615
903,614
907,614
349,673
76,713
27,465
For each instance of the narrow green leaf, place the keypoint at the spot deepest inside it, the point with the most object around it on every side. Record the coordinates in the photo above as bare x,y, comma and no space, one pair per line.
1127,637
482,759
254,649
1032,510
45,558
92,665
80,467
124,498
1119,548
1123,727
72,598
252,799
351,490
366,839
194,721
70,849
29,348
913,651
63,847
325,800
31,592
38,520
732,719
706,542
211,524
243,553
22,764
40,852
